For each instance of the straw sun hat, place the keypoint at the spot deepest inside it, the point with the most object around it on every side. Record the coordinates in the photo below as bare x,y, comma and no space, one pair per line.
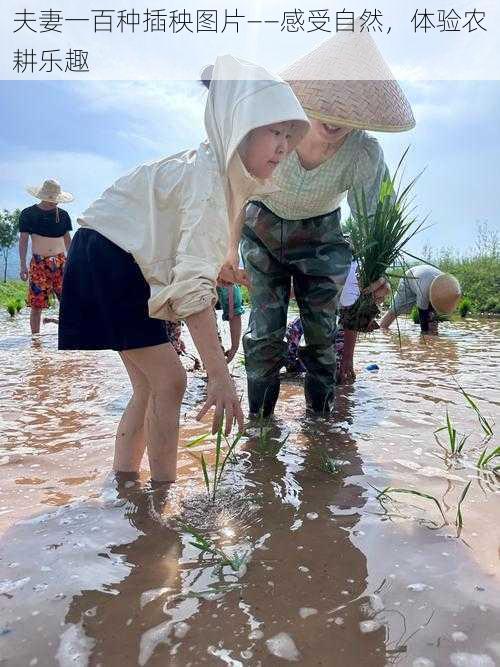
51,191
445,293
345,82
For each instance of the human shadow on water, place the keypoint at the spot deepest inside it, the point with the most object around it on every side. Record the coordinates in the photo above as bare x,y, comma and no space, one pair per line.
303,594
140,594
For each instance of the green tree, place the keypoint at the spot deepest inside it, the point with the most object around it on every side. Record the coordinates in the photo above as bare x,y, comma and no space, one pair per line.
9,231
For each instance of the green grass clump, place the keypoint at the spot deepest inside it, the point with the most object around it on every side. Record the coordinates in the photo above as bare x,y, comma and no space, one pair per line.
414,315
11,307
465,306
13,290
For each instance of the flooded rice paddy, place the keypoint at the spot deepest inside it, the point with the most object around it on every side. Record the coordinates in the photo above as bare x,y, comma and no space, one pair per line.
321,572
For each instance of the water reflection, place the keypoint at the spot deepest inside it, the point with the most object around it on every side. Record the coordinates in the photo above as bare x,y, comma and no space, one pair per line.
107,576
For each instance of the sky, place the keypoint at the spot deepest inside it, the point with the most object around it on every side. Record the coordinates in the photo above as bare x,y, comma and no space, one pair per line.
87,134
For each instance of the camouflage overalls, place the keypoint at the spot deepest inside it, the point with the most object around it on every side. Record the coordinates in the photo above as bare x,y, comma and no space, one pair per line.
315,253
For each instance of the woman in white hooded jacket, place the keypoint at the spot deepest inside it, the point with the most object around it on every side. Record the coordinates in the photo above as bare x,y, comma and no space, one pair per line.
151,248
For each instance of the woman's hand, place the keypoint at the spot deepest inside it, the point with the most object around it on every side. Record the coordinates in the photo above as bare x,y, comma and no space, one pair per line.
228,276
379,289
230,273
222,395
23,273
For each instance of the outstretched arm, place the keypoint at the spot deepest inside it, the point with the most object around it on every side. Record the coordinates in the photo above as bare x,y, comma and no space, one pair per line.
221,392
387,320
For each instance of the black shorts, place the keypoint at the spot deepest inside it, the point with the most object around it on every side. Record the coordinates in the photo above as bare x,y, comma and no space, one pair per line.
104,301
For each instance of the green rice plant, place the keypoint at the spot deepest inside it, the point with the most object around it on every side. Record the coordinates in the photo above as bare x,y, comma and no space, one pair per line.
455,443
235,561
265,445
11,307
465,306
414,315
488,456
389,489
485,425
378,240
19,305
459,519
491,305
329,465
222,457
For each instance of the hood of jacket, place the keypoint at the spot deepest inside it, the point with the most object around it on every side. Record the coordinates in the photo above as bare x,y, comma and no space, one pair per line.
242,97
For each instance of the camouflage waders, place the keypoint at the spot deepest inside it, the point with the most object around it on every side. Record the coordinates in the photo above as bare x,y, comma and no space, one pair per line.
315,253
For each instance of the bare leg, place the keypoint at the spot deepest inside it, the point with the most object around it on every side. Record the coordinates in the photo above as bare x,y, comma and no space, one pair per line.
35,317
166,379
130,442
387,320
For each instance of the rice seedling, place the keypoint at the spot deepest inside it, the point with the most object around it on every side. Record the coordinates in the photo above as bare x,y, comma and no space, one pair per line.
487,457
378,240
459,520
330,465
19,305
266,446
389,490
11,307
485,425
222,457
205,545
455,442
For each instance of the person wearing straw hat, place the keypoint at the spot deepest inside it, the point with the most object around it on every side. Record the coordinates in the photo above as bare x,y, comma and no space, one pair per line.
49,228
296,231
433,292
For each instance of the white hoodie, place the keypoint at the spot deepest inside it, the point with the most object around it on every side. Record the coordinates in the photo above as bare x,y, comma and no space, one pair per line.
172,215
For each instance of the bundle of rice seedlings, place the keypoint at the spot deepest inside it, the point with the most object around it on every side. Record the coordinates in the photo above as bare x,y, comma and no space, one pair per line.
378,240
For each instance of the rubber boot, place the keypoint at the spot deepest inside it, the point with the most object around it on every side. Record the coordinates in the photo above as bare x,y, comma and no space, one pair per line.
262,396
318,400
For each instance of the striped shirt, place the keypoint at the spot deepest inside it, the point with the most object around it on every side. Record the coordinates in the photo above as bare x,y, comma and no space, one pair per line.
357,166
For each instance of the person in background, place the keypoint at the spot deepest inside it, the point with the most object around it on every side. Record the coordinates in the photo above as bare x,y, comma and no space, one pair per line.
49,228
231,304
432,291
344,339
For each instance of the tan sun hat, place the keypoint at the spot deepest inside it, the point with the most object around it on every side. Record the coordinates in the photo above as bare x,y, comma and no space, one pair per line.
445,293
50,190
345,82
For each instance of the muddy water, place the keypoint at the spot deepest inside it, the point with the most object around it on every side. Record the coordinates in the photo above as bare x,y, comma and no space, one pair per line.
95,574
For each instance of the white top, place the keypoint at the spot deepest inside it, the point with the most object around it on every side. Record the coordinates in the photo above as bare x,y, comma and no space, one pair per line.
350,292
418,281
